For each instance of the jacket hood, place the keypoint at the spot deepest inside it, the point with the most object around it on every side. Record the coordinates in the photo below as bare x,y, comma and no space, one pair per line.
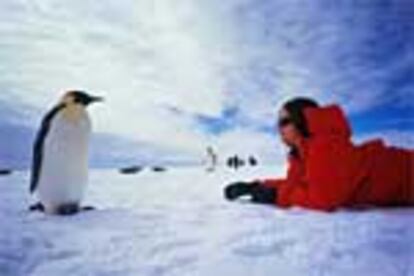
327,120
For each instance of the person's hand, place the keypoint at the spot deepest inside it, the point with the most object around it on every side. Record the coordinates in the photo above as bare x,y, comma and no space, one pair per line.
238,189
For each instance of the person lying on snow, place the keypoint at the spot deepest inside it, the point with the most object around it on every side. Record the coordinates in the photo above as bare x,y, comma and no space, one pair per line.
326,170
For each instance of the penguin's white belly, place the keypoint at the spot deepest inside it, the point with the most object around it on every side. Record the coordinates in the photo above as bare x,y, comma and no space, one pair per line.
64,170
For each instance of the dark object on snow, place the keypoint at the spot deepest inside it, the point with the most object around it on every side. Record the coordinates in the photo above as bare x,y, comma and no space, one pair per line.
258,192
88,208
37,207
158,169
5,172
235,162
253,161
230,162
131,170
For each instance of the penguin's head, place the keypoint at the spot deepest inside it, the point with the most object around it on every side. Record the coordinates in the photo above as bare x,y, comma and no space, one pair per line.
80,98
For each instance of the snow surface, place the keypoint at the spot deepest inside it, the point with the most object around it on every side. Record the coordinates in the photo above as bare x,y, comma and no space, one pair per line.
176,223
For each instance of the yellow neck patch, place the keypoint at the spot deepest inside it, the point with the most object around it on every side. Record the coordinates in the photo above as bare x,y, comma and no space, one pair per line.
73,112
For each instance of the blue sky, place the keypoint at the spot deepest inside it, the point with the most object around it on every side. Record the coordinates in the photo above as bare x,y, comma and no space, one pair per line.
181,75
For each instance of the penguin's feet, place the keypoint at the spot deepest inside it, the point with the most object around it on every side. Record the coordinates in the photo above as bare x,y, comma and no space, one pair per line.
37,207
63,210
67,209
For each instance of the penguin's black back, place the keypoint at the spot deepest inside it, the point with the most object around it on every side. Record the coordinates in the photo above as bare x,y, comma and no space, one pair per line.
38,145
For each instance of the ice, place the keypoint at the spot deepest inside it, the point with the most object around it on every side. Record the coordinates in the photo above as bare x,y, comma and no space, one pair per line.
176,223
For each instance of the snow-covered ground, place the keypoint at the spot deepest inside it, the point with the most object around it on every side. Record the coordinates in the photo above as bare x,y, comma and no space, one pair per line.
176,223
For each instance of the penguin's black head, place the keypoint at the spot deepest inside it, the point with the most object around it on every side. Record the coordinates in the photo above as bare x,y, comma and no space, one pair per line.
82,98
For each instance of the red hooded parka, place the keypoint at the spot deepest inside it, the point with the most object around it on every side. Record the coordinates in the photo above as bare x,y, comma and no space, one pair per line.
332,172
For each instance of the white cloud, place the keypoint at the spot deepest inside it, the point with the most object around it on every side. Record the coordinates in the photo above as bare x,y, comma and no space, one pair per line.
147,58
199,57
391,137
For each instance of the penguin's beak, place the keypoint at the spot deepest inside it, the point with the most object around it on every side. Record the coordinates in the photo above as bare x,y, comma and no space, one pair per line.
96,99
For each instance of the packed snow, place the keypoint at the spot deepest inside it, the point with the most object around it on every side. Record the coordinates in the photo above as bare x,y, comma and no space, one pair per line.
177,223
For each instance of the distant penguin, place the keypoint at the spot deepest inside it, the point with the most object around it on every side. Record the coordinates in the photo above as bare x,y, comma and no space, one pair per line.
212,159
60,155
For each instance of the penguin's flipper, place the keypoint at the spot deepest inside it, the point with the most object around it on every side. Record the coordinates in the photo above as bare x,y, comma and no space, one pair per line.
38,146
37,207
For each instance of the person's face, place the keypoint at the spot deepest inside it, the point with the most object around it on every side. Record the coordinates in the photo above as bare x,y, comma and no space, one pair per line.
287,130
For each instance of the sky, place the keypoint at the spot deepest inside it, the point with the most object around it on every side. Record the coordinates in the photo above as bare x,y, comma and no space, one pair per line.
181,75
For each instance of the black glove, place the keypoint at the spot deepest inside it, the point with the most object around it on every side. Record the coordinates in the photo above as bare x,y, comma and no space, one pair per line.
259,193
265,195
238,189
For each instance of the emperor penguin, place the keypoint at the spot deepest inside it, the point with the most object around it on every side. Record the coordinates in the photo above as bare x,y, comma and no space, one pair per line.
60,155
